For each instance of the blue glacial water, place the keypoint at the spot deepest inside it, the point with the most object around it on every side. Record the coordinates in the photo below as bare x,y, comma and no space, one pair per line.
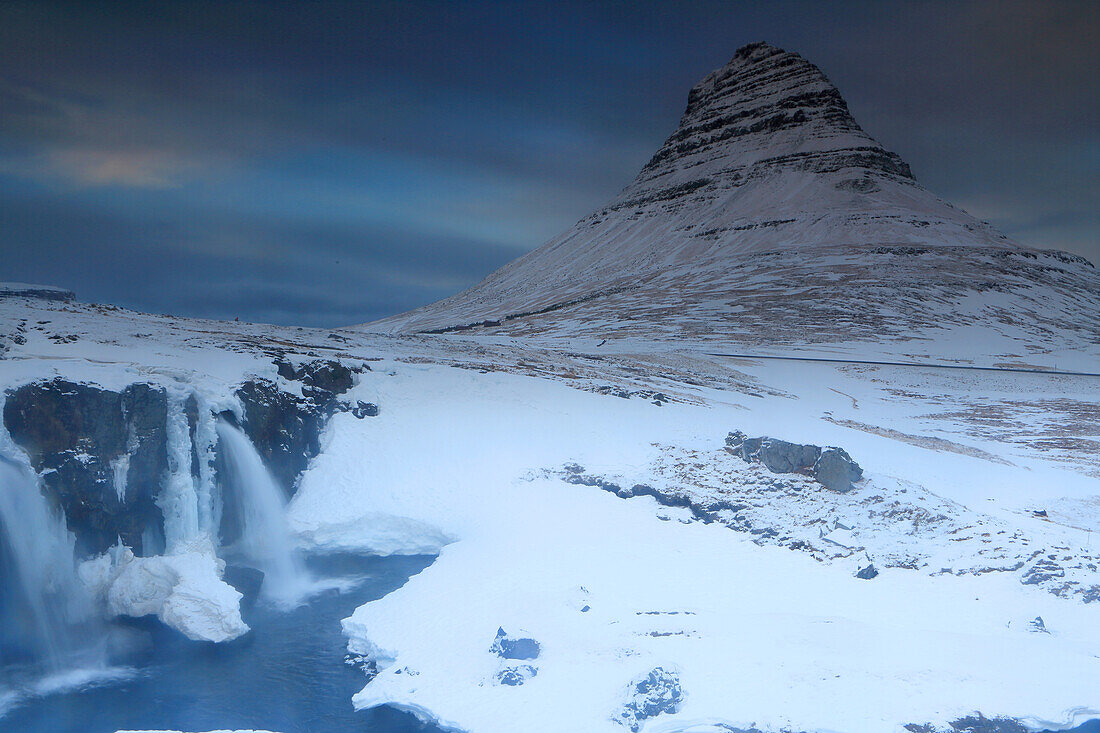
288,674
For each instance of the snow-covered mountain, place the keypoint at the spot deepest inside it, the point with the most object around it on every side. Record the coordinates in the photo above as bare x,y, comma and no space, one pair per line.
770,219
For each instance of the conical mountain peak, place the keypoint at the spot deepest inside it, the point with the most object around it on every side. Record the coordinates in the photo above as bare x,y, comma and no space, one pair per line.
768,207
763,104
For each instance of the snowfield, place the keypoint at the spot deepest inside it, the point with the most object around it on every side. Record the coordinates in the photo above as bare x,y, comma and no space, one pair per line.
979,495
758,634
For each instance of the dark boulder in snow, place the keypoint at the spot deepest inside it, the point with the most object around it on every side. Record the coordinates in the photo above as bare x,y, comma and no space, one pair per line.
364,409
512,647
868,572
1038,625
836,470
783,457
658,692
515,676
832,467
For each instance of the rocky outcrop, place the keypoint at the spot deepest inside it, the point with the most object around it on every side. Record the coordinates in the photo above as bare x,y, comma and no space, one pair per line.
831,466
101,455
656,693
507,646
285,428
322,379
515,676
869,572
573,473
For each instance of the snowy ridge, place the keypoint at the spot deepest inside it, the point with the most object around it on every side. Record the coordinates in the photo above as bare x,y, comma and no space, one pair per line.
769,202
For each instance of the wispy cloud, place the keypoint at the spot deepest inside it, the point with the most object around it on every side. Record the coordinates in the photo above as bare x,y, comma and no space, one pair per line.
86,167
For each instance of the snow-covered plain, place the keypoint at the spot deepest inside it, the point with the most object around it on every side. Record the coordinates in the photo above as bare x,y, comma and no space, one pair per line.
758,612
759,634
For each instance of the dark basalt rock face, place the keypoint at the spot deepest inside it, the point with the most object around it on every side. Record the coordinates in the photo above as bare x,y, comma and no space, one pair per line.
832,467
286,429
321,379
102,454
84,441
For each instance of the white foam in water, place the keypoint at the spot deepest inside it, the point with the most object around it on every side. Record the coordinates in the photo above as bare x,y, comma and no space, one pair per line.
79,678
265,536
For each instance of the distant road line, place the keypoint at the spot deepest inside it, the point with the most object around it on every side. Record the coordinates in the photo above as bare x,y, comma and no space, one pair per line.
918,365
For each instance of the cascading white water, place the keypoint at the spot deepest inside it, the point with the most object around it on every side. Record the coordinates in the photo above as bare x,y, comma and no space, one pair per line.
206,440
40,552
178,500
265,537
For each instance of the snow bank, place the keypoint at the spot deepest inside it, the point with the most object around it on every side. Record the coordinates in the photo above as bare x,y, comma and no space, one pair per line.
185,590
613,589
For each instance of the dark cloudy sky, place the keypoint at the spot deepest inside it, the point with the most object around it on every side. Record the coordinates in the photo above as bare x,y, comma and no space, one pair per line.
330,163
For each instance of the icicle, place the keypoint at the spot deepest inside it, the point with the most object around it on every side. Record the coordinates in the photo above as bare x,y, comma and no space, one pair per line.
120,467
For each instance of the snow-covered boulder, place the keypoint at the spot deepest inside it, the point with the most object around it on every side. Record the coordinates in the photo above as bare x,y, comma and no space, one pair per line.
184,590
516,676
514,647
655,693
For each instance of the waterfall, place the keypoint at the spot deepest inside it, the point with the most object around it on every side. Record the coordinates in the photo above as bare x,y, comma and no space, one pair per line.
178,500
206,440
265,537
47,598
